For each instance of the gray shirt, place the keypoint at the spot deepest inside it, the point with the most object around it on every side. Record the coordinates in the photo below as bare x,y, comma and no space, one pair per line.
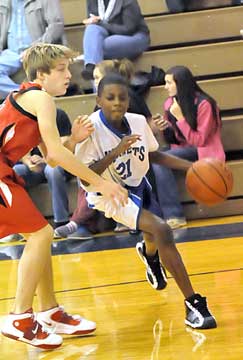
44,20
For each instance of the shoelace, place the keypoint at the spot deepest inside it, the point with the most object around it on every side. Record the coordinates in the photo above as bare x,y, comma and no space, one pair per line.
201,307
71,227
66,317
155,264
66,230
40,329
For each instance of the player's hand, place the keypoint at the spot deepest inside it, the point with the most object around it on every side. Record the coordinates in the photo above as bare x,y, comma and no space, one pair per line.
160,122
175,110
82,128
126,142
114,192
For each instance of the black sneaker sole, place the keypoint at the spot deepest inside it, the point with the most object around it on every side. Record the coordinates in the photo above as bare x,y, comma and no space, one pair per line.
209,323
144,261
160,286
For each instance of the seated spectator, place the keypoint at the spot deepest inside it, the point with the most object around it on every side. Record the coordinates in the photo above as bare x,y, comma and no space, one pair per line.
85,219
34,171
22,24
115,29
191,125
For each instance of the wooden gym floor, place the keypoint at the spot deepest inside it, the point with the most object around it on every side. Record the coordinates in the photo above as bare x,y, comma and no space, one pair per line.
104,280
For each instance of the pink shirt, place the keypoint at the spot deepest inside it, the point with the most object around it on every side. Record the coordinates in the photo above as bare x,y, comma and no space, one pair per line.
206,139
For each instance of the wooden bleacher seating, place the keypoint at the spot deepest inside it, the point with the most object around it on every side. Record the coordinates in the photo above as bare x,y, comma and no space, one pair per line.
75,10
194,27
206,59
197,26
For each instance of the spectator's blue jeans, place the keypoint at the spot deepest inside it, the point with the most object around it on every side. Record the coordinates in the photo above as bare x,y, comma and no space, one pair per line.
98,45
9,64
166,186
57,182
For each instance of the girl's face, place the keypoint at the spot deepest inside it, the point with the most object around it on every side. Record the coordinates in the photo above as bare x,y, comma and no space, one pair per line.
56,83
114,101
170,85
97,76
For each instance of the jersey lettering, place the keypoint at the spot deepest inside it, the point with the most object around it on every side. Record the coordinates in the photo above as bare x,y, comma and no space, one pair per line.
124,169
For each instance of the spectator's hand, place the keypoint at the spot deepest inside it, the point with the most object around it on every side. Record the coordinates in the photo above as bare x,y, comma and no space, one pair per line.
126,142
81,129
160,122
175,110
36,164
37,159
93,19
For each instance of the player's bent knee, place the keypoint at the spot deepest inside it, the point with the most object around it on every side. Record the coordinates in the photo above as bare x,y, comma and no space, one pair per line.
166,234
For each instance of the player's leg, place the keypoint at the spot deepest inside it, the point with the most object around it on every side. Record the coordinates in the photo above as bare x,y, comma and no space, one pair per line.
197,313
53,316
31,267
161,235
21,324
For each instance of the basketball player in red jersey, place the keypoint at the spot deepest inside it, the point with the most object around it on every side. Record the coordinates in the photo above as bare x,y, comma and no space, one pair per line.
27,119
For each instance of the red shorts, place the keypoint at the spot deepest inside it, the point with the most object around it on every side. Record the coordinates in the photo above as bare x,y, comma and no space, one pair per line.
18,214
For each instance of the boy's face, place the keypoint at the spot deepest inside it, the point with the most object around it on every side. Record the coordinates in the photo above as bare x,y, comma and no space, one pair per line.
56,83
114,101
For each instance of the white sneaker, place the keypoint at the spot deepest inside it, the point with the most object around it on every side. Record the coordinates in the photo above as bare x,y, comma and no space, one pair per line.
10,238
63,323
25,328
175,223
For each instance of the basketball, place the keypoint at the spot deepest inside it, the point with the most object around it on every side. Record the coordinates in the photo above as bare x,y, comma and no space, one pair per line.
209,181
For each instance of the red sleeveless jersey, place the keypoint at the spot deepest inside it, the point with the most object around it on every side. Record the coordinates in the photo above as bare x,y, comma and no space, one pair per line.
19,133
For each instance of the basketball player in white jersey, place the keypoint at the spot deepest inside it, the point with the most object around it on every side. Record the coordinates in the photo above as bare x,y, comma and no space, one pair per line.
120,148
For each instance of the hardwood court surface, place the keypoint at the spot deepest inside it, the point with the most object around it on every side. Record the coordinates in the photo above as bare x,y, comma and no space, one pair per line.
135,322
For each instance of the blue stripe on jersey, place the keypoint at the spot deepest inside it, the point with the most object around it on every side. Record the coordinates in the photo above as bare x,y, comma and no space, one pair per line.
139,202
114,130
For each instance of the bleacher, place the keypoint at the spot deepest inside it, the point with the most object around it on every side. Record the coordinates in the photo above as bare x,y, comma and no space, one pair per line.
209,43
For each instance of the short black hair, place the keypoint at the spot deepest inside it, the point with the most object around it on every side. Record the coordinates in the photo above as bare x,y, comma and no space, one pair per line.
111,78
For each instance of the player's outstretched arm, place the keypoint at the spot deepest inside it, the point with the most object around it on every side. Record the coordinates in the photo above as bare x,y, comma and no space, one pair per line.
56,154
173,162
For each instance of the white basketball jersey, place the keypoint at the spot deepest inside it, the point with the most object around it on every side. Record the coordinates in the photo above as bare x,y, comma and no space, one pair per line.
130,167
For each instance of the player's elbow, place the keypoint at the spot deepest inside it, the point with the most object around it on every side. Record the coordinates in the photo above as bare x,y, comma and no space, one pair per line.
51,160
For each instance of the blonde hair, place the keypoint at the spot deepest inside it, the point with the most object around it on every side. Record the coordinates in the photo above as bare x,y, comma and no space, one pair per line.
124,67
43,57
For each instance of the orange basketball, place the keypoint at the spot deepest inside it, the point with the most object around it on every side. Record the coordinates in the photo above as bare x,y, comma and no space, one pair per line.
209,181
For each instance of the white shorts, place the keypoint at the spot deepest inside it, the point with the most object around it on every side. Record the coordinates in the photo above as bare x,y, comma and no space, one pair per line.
127,215
139,197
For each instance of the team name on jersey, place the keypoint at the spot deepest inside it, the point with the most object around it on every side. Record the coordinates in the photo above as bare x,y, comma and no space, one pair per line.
137,151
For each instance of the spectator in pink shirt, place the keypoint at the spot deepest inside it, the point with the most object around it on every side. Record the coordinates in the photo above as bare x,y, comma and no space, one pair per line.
191,126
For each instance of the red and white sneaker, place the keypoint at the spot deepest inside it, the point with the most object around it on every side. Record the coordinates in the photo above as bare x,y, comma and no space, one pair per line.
63,323
25,328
